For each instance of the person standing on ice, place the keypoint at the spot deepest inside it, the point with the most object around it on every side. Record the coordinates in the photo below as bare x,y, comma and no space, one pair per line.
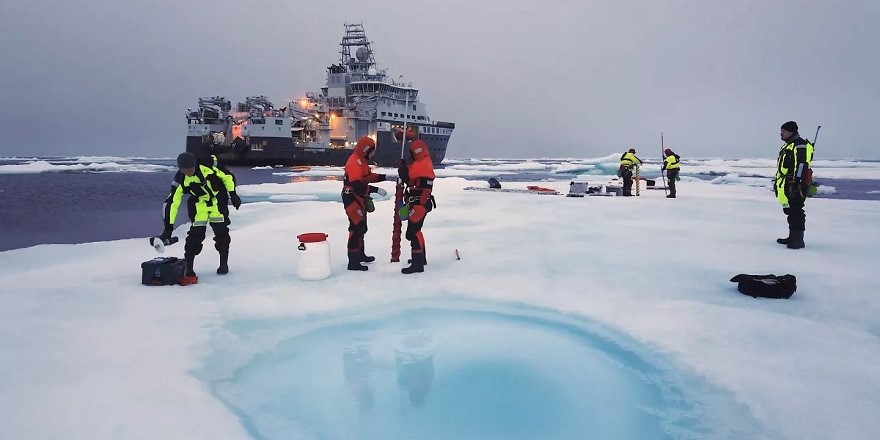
627,161
672,165
205,156
793,177
203,184
419,178
356,191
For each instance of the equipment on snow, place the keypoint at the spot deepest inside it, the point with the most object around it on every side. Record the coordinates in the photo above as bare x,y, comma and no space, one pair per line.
663,159
163,271
158,243
530,190
766,286
637,179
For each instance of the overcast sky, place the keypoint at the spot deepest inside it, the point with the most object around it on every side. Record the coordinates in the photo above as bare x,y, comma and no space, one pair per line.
528,78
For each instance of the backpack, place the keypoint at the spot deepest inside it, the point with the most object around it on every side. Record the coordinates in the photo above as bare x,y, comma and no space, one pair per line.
766,286
809,187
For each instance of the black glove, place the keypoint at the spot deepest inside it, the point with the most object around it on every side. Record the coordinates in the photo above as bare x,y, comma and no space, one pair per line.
166,234
381,178
235,199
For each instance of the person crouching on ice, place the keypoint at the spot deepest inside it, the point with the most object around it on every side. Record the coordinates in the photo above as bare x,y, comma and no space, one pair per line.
202,183
356,190
419,178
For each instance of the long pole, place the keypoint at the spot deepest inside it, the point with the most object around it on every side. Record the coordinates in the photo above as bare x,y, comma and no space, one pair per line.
816,137
663,158
398,192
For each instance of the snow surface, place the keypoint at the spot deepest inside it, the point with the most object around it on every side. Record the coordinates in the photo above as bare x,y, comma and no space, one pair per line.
90,353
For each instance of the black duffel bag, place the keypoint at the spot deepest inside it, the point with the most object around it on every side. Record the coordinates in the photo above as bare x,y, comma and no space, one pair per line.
163,271
766,286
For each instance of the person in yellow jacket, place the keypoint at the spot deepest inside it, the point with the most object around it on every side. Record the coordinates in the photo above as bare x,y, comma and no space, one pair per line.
627,161
672,165
204,184
793,177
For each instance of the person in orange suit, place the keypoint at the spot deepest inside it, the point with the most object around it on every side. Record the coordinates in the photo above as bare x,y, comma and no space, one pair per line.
356,189
419,178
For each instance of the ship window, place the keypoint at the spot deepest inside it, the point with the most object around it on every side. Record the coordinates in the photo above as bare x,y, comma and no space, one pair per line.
383,113
414,106
278,122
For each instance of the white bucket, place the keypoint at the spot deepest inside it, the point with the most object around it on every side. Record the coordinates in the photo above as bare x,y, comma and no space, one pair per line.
314,256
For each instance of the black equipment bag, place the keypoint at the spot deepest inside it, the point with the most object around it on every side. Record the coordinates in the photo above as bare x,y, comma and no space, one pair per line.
163,271
766,286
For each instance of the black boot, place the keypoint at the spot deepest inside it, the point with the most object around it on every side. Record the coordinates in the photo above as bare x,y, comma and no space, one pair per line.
424,259
190,258
364,257
796,240
189,277
223,269
354,261
416,265
784,240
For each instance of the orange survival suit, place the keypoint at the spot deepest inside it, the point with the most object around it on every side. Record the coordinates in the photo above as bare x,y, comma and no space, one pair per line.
356,189
419,178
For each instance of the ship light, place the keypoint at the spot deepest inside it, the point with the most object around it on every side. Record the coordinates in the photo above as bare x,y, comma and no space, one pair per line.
303,103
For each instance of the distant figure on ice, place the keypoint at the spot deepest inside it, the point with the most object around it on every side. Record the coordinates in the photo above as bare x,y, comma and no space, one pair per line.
627,161
419,179
201,183
793,177
672,165
356,190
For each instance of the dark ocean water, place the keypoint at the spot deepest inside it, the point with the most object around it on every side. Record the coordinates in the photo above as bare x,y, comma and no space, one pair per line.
81,207
85,206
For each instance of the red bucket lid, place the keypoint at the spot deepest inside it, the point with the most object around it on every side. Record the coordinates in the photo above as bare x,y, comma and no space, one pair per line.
312,237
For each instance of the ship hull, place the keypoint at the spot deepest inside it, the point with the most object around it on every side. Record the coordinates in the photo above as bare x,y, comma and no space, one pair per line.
271,151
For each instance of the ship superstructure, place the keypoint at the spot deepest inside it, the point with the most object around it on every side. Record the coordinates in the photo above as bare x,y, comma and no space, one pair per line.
359,99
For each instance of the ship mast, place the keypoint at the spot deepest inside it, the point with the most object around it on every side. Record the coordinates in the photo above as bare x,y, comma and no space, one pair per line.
363,59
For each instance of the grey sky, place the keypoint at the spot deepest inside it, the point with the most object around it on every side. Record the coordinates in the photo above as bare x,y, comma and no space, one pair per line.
530,79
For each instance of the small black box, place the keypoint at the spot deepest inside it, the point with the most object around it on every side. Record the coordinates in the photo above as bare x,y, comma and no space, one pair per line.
163,271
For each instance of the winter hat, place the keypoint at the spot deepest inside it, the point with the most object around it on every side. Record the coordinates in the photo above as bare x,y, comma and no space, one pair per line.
186,160
790,126
365,141
365,146
632,150
419,149
667,151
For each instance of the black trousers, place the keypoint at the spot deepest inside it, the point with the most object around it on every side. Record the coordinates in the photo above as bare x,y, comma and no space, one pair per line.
415,237
627,175
671,176
797,217
356,212
196,235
